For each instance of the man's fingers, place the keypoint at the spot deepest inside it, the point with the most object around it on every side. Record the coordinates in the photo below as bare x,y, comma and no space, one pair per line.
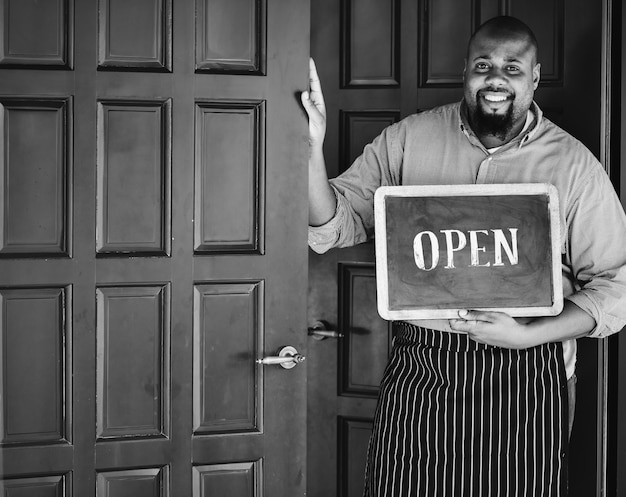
313,103
462,325
487,317
315,85
309,105
314,80
471,320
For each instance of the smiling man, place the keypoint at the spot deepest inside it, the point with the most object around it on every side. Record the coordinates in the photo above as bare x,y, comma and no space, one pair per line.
481,405
501,75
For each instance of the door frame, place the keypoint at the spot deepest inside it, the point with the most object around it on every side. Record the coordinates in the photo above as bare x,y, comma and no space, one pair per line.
611,406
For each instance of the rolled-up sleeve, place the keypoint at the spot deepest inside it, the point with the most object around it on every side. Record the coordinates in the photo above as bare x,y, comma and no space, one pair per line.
341,231
354,189
597,252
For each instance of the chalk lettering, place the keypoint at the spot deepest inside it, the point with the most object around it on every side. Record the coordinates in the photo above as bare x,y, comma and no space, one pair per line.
511,250
450,248
456,241
418,250
475,248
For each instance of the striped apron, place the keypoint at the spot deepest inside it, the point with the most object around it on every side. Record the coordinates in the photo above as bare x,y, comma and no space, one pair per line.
456,418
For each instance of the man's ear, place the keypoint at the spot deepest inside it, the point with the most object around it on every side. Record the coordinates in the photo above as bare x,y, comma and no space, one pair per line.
536,75
464,68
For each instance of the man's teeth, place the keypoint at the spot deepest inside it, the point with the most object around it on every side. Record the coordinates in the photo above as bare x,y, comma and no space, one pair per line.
495,98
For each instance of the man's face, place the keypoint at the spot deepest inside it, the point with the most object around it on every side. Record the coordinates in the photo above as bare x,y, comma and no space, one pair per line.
500,78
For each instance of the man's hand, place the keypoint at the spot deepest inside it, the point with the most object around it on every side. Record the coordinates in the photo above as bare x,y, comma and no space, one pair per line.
322,200
313,102
495,328
501,330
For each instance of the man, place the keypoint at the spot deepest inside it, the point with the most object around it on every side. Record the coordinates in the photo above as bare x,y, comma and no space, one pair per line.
479,405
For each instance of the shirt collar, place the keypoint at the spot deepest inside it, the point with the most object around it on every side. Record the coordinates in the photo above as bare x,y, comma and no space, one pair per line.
525,136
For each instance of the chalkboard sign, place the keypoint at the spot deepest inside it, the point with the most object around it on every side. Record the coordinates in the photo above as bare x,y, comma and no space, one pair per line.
440,249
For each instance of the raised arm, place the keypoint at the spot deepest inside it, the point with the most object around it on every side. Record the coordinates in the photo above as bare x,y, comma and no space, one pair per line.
322,201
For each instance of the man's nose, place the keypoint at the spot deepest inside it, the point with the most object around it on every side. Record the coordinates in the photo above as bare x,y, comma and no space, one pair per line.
496,76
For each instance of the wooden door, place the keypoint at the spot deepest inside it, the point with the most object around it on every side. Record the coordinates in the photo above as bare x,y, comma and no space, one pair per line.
152,247
380,61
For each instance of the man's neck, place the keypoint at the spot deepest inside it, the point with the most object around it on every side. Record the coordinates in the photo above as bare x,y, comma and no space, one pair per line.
491,141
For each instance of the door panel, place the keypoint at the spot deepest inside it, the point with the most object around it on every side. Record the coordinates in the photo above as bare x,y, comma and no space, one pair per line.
379,62
147,256
134,177
132,389
35,380
135,35
36,182
369,44
229,179
226,391
353,435
364,348
47,39
136,482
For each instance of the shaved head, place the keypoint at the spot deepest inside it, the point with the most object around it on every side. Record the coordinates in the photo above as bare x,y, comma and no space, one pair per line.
506,28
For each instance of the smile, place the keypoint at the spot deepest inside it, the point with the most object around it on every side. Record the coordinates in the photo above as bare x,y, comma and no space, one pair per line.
495,98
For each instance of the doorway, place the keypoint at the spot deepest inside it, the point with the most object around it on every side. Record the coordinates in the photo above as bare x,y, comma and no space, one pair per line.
379,62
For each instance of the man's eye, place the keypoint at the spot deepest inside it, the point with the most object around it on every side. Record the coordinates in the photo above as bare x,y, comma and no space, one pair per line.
481,66
512,69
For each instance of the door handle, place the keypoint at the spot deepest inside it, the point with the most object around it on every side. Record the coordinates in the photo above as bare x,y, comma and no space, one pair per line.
319,331
287,357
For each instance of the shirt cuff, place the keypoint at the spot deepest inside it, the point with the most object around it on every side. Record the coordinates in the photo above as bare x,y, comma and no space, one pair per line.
324,237
606,324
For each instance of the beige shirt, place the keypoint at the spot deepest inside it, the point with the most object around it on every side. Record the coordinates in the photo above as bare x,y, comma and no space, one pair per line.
437,147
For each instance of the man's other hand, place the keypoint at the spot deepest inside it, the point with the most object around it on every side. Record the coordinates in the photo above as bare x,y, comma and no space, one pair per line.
313,102
494,328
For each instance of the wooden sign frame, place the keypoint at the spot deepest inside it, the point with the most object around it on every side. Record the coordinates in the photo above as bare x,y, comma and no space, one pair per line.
414,283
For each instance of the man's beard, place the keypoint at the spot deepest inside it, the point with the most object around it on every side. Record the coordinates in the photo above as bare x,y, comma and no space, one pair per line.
488,123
